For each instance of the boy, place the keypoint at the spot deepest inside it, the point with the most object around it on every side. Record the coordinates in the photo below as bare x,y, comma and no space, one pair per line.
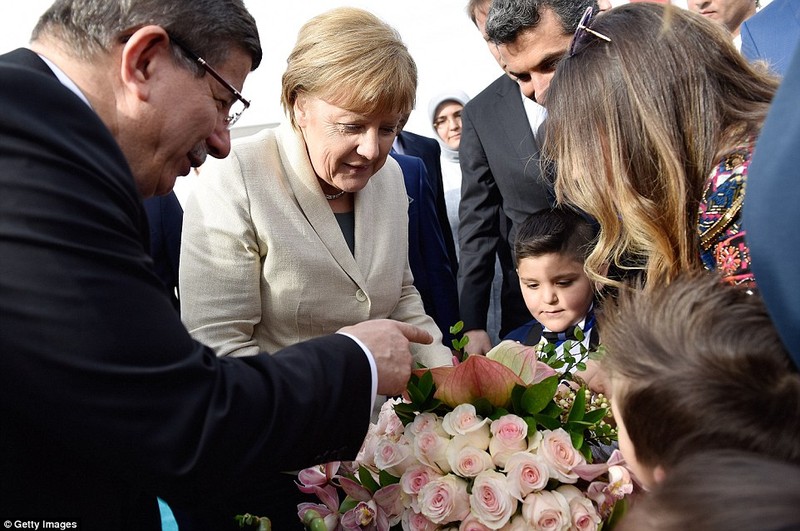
550,250
697,365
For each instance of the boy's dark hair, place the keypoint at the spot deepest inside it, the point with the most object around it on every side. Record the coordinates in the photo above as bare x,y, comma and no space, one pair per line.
558,230
720,491
697,365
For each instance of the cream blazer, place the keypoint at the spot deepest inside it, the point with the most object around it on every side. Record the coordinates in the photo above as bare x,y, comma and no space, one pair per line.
264,263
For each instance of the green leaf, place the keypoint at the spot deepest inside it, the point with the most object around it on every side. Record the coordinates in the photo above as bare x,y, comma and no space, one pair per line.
387,479
497,413
577,439
578,409
417,397
347,504
366,479
552,410
516,399
456,328
537,396
593,417
547,422
425,385
579,334
532,426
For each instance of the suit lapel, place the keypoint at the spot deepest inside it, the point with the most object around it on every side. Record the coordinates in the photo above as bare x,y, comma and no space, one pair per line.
312,202
515,125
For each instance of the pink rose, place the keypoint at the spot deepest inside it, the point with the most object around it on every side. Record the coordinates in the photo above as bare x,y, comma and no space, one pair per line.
517,523
619,481
430,449
414,521
490,501
583,514
366,455
417,476
525,473
471,523
444,500
561,457
389,424
463,419
546,510
467,461
509,435
393,457
426,422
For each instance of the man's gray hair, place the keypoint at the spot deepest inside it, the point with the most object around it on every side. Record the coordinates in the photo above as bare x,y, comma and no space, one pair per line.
210,28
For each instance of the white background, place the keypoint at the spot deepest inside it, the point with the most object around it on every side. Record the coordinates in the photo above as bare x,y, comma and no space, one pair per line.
444,42
448,49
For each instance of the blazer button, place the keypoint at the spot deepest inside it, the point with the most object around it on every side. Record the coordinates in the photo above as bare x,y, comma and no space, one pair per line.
361,296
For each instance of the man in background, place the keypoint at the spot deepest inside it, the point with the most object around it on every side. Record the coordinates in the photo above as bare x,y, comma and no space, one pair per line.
106,403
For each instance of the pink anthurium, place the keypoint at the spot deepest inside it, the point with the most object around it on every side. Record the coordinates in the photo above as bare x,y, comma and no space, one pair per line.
477,377
521,359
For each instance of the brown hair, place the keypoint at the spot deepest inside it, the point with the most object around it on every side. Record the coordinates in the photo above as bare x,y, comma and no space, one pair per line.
697,365
352,59
720,491
636,125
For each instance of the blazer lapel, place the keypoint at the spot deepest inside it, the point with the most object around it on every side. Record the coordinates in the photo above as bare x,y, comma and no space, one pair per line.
308,194
515,125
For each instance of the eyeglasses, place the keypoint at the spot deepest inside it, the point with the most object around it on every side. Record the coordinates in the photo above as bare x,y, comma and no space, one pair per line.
239,105
582,29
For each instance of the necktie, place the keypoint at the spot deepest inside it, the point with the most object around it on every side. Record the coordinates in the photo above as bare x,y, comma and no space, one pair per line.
559,337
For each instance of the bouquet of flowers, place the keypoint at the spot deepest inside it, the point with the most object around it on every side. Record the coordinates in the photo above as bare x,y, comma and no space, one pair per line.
504,441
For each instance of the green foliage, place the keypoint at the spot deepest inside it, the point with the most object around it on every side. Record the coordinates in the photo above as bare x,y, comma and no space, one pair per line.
263,523
420,390
366,479
549,404
460,343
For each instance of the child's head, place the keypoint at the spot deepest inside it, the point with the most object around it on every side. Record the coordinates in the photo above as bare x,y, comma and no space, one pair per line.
550,249
720,491
697,365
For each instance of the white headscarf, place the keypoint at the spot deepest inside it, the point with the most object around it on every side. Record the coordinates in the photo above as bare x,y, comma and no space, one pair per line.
451,95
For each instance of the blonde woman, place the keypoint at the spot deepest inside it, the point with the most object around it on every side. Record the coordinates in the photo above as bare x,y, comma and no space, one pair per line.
303,229
652,119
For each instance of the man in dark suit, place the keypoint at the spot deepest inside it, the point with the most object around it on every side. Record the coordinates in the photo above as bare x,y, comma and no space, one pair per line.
769,212
105,400
427,255
499,153
428,150
772,34
165,217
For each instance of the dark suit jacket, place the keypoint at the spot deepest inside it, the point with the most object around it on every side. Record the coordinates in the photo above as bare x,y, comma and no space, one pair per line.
105,400
500,177
433,277
165,216
770,214
772,34
429,151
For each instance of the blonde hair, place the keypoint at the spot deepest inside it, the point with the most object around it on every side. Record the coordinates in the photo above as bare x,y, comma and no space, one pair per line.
351,59
636,125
